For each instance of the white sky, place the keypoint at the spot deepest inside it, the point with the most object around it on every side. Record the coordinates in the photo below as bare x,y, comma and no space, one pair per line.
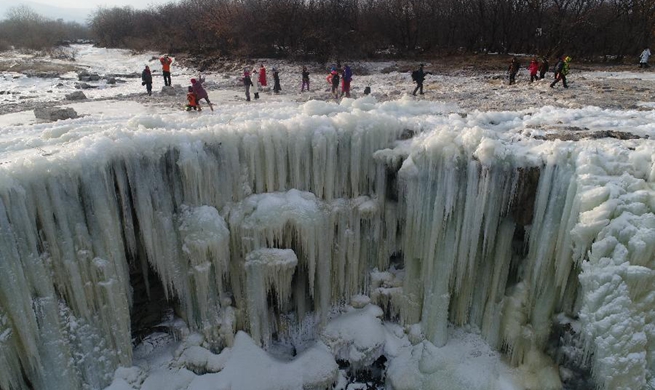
91,4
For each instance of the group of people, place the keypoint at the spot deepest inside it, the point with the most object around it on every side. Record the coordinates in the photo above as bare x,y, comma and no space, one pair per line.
146,74
539,69
343,75
262,82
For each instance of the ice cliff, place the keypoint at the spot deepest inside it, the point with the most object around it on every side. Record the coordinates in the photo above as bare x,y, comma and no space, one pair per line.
255,223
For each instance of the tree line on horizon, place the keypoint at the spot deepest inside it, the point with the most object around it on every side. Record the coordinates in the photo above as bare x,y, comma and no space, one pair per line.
322,29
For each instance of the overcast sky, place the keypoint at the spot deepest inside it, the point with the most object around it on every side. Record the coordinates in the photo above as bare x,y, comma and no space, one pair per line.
73,10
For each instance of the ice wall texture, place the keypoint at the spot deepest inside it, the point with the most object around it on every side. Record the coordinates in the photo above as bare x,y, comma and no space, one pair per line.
494,229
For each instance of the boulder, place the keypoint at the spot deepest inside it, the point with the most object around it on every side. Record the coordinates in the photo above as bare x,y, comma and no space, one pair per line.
77,95
52,114
111,80
84,86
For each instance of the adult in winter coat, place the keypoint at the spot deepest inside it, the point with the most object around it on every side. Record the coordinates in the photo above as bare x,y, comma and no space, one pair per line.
276,81
418,76
305,79
643,58
534,69
334,79
199,90
262,75
166,62
543,68
561,70
146,79
247,82
513,69
346,79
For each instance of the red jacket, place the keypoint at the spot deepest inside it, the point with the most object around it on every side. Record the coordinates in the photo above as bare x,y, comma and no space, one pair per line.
262,76
533,68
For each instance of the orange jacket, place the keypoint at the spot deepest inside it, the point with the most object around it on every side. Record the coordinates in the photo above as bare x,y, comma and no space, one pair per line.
192,98
166,64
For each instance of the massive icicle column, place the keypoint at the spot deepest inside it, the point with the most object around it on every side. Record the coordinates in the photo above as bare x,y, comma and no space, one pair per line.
256,224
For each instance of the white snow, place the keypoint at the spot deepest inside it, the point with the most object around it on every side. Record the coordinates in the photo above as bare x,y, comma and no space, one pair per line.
310,202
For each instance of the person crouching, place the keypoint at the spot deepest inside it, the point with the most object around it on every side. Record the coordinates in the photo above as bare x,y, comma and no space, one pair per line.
192,100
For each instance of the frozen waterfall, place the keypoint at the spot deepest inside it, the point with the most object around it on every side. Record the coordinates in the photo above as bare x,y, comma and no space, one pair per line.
256,224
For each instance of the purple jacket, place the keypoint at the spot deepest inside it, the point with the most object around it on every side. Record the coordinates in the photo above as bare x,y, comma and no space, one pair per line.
198,89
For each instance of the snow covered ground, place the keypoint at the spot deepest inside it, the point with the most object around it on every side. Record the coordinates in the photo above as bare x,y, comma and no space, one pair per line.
311,162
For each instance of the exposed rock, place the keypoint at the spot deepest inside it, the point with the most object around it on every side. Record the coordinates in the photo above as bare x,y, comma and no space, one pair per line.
170,90
86,76
77,95
111,80
54,113
84,86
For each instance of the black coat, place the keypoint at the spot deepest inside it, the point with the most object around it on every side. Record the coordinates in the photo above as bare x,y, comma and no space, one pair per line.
146,77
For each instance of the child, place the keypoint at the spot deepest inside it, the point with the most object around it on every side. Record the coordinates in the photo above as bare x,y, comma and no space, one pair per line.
534,69
305,79
192,98
276,79
543,68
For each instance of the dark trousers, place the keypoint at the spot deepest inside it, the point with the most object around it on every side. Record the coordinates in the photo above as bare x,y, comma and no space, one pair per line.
167,78
533,77
643,64
149,88
419,86
512,78
559,77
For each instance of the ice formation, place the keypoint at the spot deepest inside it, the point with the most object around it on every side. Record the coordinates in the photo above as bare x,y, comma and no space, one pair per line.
255,223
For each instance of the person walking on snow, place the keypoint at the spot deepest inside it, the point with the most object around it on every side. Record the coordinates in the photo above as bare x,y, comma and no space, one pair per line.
200,90
166,62
643,58
346,79
561,70
146,79
247,82
305,79
418,76
276,81
533,68
513,69
262,75
543,68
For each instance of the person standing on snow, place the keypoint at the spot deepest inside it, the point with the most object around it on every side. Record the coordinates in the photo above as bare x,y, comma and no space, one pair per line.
333,78
418,76
276,81
305,79
543,68
643,58
533,68
561,70
146,79
247,82
262,75
200,90
346,79
166,62
513,69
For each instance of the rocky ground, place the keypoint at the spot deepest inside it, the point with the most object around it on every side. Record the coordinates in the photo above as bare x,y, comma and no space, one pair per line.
475,82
